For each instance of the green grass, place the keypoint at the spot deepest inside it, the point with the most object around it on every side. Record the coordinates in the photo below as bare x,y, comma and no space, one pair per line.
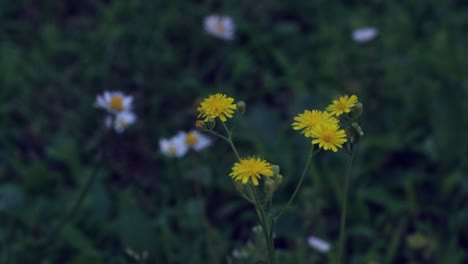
410,172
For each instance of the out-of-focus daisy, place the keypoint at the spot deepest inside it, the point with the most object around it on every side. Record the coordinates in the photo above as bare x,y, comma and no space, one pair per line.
123,120
222,27
364,35
119,122
114,102
318,244
197,140
175,146
251,169
217,105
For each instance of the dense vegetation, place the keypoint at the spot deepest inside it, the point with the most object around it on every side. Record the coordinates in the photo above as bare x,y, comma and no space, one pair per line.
409,187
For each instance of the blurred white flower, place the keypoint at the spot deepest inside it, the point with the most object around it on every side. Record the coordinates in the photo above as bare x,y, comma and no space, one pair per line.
119,122
196,140
123,120
114,102
364,35
222,27
318,244
175,146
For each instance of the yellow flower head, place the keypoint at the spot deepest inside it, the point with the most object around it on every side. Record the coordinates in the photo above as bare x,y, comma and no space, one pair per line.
342,105
251,168
329,136
309,119
217,105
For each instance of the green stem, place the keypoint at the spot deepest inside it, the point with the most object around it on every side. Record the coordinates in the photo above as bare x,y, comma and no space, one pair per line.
255,201
344,206
265,228
268,237
230,141
298,186
89,182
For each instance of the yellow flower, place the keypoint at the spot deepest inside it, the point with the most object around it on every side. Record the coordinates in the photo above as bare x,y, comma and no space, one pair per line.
342,105
217,105
329,136
309,119
251,168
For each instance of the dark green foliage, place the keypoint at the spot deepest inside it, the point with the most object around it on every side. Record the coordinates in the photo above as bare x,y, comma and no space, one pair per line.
409,186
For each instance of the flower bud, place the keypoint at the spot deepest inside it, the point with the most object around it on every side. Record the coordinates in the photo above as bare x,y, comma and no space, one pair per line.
269,188
278,181
210,123
356,111
276,170
354,133
241,107
357,128
200,125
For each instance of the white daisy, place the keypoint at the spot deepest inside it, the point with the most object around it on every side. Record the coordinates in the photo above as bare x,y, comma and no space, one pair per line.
197,140
364,35
175,146
222,27
123,120
318,244
114,102
120,121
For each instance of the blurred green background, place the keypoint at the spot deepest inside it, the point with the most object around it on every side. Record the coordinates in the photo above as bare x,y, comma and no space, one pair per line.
409,190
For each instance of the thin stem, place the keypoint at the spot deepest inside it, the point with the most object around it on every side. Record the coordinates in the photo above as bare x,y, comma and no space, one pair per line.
255,201
268,237
89,182
216,134
265,229
344,206
298,186
230,141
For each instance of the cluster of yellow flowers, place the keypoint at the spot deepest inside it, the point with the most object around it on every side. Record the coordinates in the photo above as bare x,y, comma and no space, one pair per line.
223,107
323,126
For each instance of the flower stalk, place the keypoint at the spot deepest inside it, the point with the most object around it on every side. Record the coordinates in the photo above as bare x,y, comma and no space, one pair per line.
323,127
341,243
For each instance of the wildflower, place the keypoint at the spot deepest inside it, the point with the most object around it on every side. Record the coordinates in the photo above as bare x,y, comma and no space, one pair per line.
364,35
328,136
309,119
121,121
251,168
318,244
342,105
222,27
175,146
216,105
196,140
114,102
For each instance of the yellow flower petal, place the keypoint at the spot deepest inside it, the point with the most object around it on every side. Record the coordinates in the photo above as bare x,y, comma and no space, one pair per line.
251,169
217,106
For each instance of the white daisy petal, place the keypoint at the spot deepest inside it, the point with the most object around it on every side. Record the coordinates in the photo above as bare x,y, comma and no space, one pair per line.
222,27
114,102
364,35
123,120
197,140
175,146
318,244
